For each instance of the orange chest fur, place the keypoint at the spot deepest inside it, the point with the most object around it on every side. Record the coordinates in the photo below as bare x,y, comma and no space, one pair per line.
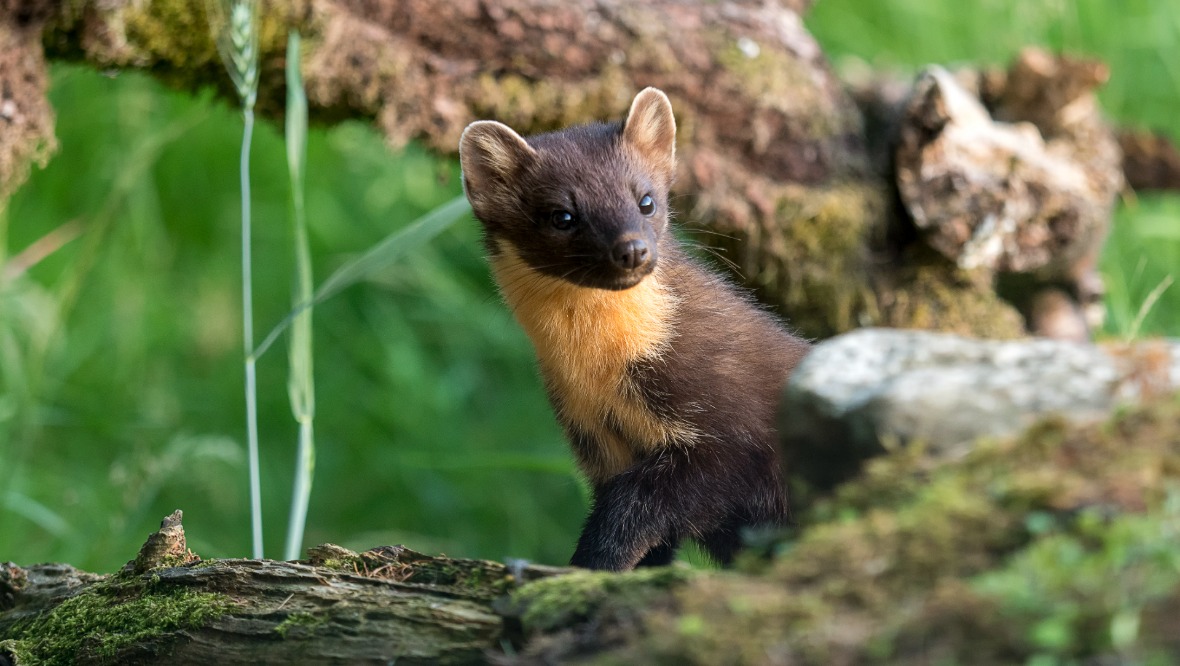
585,339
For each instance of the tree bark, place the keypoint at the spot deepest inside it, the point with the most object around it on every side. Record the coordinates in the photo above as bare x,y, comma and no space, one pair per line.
26,118
1022,187
385,604
780,167
1150,161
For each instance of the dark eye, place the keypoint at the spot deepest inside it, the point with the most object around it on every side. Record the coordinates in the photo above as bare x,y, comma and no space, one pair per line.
647,205
562,220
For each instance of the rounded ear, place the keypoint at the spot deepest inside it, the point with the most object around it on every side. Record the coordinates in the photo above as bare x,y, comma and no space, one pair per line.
490,153
651,128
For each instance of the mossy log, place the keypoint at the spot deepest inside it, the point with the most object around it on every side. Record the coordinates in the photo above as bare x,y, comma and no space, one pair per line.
1060,545
785,171
336,607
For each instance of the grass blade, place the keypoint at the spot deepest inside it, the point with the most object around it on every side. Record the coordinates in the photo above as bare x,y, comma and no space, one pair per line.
44,517
390,249
234,24
301,383
248,343
1147,305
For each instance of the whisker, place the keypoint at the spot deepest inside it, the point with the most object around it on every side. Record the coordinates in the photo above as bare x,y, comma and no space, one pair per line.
708,232
737,270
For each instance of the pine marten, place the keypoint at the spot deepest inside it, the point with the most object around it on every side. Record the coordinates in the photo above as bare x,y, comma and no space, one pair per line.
664,376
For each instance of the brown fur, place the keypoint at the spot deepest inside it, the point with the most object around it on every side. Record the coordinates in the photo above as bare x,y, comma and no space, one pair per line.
664,376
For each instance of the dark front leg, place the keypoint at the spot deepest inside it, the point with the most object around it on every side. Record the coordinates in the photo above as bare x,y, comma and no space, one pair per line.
704,492
660,556
723,543
623,527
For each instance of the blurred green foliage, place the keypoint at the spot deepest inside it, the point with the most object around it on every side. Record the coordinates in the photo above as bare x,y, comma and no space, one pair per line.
122,362
1061,586
120,366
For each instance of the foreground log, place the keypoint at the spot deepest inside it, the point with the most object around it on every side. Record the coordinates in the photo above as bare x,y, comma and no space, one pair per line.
779,165
338,606
1058,544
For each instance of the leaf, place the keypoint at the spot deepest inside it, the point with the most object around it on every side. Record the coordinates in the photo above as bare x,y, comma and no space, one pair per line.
38,513
301,383
378,258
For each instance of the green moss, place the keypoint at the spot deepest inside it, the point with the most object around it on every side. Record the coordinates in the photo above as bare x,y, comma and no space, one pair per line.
473,578
811,261
912,529
348,564
560,601
178,31
174,37
17,650
532,106
691,625
170,561
1084,586
819,258
784,81
934,295
1060,545
109,616
174,31
440,572
305,622
480,579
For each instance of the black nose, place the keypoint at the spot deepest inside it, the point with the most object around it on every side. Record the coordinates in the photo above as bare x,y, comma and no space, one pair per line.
630,253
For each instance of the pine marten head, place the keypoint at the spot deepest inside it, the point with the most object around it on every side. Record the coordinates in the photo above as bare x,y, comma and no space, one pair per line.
587,204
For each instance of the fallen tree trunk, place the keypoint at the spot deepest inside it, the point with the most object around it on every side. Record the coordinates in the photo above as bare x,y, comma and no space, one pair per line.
926,558
779,164
338,606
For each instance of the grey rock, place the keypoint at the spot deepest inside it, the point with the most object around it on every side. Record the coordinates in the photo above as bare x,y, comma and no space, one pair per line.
859,393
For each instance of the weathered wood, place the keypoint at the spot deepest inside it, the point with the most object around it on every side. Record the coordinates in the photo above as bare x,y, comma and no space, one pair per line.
1150,161
26,118
996,196
1025,185
386,604
779,166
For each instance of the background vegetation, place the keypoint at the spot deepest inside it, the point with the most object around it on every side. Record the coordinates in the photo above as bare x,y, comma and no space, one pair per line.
120,360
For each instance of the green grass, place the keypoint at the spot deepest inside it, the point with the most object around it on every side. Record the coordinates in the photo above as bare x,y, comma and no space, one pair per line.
427,398
1142,255
120,375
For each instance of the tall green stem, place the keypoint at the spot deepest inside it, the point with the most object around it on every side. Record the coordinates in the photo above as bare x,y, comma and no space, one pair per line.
301,384
248,338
